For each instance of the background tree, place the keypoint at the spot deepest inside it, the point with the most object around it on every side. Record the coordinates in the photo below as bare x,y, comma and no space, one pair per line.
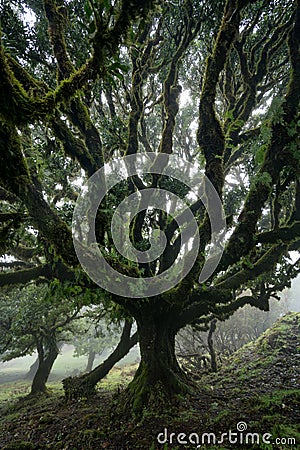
116,91
97,338
84,385
32,320
244,326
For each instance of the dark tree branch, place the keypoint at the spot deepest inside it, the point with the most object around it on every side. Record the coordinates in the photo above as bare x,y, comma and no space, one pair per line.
284,234
16,277
264,265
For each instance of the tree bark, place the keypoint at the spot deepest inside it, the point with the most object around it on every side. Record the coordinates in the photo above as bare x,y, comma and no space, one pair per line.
84,385
43,371
213,358
159,379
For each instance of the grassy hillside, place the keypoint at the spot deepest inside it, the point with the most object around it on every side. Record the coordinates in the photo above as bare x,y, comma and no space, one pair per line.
256,392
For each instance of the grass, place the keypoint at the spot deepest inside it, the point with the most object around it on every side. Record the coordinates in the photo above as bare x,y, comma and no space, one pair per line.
117,378
12,373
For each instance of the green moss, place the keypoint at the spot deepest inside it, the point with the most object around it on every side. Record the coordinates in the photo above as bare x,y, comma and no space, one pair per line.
14,172
277,400
147,393
277,337
271,418
19,445
89,419
221,417
90,434
283,430
47,418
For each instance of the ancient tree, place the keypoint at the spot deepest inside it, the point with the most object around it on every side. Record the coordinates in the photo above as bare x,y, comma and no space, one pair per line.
216,83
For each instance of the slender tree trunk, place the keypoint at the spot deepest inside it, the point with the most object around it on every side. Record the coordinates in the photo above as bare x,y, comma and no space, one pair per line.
90,362
210,342
43,372
32,371
84,385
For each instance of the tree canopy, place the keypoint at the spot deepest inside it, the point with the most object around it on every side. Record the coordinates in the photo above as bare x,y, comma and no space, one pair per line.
216,84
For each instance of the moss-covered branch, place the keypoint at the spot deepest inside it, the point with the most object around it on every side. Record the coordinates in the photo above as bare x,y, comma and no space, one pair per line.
201,303
14,175
12,278
220,301
18,106
278,155
210,135
284,234
77,112
172,90
265,264
73,146
21,107
254,65
57,20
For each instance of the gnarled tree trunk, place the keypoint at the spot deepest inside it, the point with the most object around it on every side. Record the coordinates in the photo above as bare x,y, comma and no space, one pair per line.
159,378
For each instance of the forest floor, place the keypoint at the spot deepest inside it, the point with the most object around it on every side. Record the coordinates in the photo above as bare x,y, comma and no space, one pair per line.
256,395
